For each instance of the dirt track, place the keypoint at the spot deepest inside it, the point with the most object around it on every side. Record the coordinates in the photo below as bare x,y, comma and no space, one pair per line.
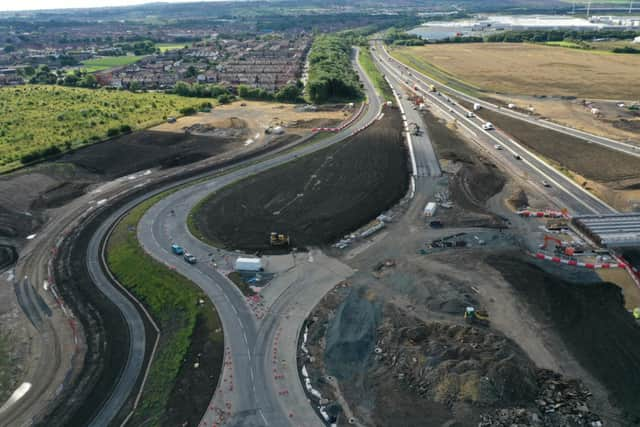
316,199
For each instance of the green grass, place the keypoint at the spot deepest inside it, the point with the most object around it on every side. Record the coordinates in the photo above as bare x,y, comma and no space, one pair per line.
434,72
170,46
35,117
369,67
108,62
172,301
567,44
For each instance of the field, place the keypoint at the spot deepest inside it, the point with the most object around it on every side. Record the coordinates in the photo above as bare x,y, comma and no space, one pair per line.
172,301
366,61
37,117
107,62
170,46
315,199
528,69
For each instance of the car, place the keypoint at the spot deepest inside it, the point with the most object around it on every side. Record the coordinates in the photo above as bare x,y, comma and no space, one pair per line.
487,126
498,147
177,249
517,156
190,258
470,114
546,184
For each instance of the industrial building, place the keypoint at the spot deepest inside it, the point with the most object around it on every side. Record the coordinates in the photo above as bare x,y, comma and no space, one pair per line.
616,230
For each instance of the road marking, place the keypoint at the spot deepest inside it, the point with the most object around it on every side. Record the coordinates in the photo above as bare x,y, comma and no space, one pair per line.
263,418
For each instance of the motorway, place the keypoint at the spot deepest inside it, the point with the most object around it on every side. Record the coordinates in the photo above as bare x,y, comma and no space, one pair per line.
630,149
563,192
248,394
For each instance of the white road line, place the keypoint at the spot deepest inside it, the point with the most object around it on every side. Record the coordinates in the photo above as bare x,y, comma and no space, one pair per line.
437,102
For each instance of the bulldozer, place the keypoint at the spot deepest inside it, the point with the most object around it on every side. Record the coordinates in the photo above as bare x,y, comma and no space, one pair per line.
472,315
278,239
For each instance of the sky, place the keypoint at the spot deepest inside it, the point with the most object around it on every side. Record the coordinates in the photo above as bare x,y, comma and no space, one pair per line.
6,5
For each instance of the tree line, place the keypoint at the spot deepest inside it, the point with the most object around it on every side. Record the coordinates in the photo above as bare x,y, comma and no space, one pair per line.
331,73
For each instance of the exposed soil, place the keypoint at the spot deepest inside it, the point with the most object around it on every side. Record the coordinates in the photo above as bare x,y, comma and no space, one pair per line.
474,179
145,149
589,160
389,365
8,256
315,199
199,373
592,321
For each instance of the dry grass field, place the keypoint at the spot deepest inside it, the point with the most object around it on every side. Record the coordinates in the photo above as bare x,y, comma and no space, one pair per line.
528,69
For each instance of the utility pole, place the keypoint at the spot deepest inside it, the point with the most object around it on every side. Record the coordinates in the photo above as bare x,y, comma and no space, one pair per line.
588,9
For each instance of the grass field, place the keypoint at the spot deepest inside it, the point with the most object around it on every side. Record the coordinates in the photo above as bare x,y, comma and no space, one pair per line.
366,61
170,46
36,117
172,301
529,69
107,62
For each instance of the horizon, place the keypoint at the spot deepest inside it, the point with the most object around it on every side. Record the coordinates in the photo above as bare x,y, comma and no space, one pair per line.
38,5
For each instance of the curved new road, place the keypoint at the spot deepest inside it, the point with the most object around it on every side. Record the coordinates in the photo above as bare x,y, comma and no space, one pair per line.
258,386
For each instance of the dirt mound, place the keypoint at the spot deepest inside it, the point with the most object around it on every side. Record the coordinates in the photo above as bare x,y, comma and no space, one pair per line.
143,150
226,128
315,199
591,320
449,364
314,123
351,336
518,200
8,256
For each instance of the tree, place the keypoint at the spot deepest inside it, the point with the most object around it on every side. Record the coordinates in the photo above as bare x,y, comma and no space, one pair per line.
191,71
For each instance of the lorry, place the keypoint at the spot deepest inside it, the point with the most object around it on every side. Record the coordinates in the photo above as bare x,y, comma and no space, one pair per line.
248,264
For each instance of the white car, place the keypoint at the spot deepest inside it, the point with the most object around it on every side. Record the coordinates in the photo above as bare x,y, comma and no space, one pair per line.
487,126
546,184
498,147
470,114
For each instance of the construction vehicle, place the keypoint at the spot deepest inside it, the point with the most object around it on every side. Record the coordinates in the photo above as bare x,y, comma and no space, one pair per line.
414,129
565,248
278,239
472,315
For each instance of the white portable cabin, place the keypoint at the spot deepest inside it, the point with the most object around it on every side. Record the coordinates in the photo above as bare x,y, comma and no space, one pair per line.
430,209
248,264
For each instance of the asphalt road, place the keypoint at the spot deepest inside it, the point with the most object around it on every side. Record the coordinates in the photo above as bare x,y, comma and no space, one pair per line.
631,149
247,395
563,192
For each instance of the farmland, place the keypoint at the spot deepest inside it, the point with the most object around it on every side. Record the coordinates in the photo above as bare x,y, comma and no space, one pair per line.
107,62
164,47
38,117
528,69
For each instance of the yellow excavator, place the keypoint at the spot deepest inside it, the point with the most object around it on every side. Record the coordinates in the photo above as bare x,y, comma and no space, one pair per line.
472,315
278,239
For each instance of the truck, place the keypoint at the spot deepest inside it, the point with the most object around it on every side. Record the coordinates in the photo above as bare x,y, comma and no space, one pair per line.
476,107
248,264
